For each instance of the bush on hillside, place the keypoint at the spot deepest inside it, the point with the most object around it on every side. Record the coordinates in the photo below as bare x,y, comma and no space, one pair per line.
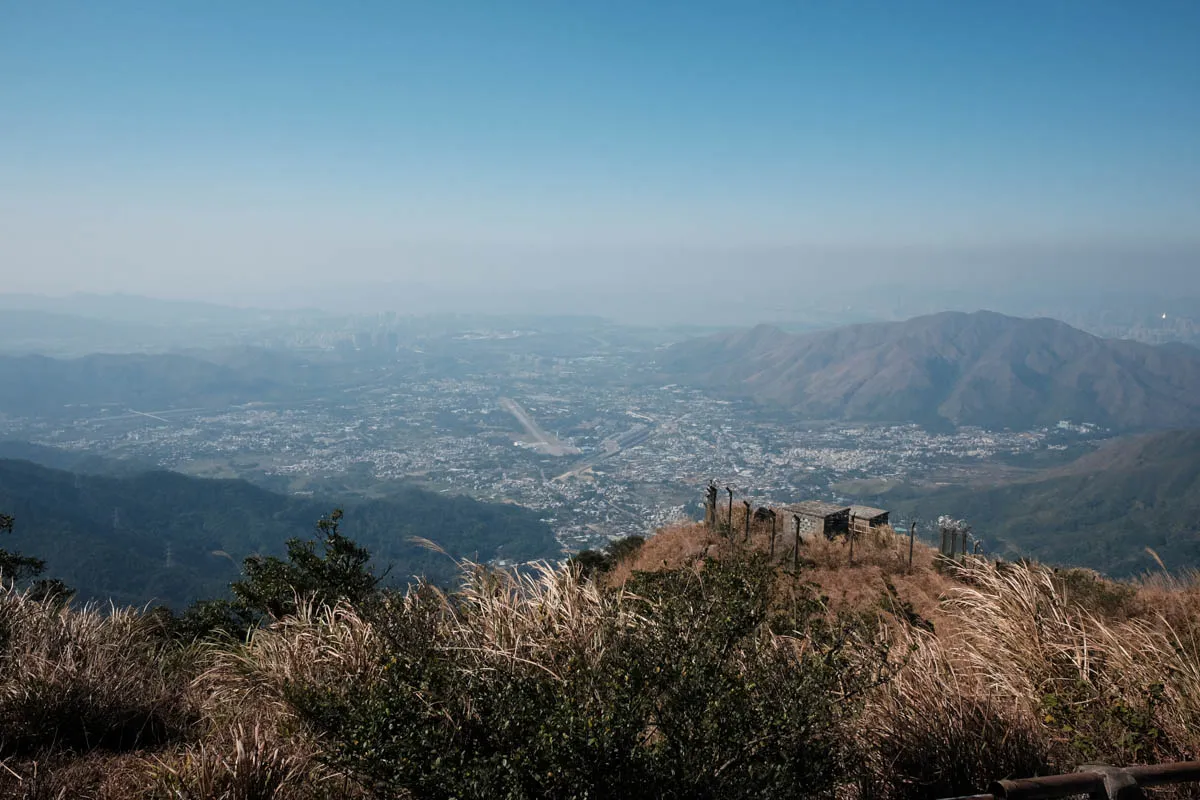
688,684
340,572
597,562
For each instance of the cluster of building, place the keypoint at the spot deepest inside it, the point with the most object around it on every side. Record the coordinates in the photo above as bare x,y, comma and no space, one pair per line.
644,450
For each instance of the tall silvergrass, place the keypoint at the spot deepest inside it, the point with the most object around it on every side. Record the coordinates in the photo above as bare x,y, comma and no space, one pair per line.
539,683
723,680
317,645
81,679
535,617
1022,679
251,744
243,762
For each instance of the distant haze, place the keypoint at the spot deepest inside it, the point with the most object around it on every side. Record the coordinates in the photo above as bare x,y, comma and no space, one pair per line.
633,160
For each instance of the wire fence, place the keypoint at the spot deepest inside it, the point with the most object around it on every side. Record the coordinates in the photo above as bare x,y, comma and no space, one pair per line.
739,519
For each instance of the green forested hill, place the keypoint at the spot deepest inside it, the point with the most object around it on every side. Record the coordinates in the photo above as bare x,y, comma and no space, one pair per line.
1102,511
169,538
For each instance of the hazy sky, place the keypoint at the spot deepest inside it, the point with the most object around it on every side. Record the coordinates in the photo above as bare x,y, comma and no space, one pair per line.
273,151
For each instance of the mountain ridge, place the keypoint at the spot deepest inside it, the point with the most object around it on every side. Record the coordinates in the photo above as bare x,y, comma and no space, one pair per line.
165,537
981,368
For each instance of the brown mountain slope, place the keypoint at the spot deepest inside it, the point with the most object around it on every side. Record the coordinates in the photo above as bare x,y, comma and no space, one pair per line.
967,369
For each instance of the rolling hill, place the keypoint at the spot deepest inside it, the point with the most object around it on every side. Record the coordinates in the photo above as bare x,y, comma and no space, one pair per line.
48,387
984,369
169,538
1101,511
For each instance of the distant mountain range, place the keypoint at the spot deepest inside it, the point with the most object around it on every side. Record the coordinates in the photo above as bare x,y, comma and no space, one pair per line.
134,537
953,368
1101,511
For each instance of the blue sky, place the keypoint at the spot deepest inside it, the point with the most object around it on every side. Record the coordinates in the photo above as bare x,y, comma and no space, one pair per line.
220,148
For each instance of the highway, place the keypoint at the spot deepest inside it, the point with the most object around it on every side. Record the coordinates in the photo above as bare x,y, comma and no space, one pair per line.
624,442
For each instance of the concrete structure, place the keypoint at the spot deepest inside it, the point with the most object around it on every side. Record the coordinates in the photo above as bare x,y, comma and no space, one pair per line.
865,517
820,519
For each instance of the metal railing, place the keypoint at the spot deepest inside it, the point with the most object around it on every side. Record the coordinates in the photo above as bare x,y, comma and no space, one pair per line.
1095,781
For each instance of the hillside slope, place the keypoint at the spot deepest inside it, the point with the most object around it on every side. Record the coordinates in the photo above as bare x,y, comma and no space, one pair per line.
1101,511
169,538
48,387
982,369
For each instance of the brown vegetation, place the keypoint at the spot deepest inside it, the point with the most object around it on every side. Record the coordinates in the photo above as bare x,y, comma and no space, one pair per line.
995,670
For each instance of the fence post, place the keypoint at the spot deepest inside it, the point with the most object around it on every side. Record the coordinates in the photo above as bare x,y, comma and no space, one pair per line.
729,528
746,503
772,554
912,534
796,547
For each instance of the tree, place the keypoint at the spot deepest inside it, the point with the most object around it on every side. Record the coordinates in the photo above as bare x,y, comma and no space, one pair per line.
14,566
340,572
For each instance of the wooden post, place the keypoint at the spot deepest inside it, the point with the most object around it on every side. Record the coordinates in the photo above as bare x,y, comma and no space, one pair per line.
730,527
711,505
772,554
746,503
945,533
850,536
912,535
796,547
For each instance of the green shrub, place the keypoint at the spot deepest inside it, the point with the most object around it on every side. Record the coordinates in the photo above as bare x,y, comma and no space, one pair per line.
1094,594
596,562
340,572
691,685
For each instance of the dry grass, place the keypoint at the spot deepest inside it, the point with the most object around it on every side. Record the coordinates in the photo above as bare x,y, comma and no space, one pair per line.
1027,682
1174,598
93,776
672,547
247,684
244,763
1025,672
81,680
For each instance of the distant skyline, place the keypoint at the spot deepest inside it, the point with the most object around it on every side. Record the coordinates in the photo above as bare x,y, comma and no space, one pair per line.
555,155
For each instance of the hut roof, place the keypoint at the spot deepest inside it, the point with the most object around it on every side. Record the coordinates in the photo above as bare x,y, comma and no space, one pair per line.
867,512
816,508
